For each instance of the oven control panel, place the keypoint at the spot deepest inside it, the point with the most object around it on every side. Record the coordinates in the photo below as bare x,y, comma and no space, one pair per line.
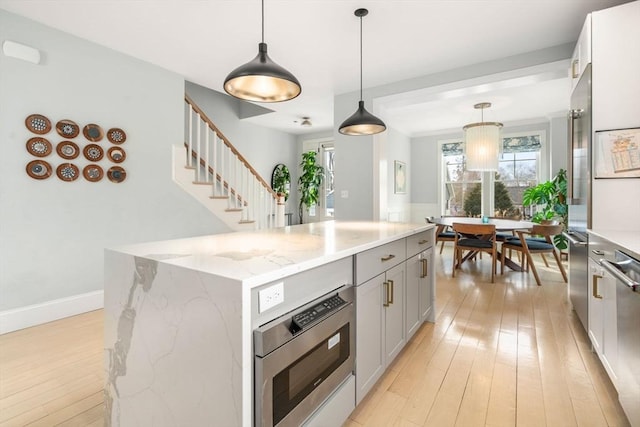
316,312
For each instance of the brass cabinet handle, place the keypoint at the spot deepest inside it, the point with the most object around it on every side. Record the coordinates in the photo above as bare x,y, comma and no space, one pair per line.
595,286
425,270
422,242
386,294
388,257
391,292
575,68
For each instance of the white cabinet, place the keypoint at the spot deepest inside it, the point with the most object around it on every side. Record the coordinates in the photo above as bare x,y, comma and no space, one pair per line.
581,54
419,291
379,326
603,325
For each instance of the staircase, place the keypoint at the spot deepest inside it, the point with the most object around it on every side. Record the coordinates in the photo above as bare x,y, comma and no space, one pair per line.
210,169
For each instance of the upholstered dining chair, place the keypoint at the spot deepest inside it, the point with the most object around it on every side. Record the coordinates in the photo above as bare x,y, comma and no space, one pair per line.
443,234
540,242
473,238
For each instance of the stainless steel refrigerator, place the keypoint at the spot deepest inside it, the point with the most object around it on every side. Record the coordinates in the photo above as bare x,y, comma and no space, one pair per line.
579,194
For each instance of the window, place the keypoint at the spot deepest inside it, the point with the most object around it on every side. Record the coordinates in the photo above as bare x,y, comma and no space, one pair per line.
464,193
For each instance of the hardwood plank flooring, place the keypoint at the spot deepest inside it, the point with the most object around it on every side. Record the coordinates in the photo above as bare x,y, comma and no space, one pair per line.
507,353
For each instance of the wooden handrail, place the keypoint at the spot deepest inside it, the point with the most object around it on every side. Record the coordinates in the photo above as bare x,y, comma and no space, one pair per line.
231,147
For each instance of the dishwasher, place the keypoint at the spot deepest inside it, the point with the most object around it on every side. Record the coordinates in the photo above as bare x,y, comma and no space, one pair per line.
626,271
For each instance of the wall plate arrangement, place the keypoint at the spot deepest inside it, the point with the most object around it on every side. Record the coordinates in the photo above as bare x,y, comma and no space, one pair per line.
67,150
92,173
93,152
68,172
116,154
38,124
67,128
116,174
39,169
39,147
116,136
93,132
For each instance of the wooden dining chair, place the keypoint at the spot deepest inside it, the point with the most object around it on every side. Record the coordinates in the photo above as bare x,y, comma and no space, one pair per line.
473,238
540,242
443,234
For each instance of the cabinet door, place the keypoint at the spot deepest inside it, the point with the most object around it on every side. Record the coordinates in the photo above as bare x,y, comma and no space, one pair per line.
413,298
595,305
369,335
427,286
394,312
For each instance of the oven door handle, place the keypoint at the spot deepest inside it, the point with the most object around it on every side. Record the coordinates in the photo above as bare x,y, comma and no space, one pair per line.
610,267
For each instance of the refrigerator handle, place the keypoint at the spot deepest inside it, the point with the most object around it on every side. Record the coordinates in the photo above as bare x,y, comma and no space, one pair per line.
573,115
573,240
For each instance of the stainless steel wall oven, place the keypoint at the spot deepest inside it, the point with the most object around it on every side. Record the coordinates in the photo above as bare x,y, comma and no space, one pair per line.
302,357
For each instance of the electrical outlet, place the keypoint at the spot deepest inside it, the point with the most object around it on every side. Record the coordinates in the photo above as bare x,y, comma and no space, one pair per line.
270,297
344,194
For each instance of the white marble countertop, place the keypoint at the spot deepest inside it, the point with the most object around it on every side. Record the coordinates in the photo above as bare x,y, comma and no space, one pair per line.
629,240
259,257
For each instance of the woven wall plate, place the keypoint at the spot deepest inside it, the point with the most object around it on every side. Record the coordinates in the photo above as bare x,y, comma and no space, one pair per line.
116,136
39,169
68,172
93,132
68,150
93,152
116,174
37,123
67,129
92,173
116,154
39,147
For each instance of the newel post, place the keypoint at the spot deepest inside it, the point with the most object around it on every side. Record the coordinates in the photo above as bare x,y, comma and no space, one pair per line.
280,210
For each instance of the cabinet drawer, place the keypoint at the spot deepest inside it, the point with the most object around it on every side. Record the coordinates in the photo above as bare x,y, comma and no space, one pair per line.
419,242
377,260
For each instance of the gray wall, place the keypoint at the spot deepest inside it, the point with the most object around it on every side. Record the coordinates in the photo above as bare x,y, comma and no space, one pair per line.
263,148
52,232
558,144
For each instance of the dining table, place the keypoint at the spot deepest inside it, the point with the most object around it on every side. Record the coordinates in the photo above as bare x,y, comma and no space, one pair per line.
502,225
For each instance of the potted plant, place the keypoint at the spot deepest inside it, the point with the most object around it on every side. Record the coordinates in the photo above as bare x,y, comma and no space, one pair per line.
552,196
281,180
311,177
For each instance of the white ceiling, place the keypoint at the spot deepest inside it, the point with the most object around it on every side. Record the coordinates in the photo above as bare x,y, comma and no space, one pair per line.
318,41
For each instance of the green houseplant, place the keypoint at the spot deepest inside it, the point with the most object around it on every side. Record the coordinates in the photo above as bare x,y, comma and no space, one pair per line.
552,196
311,177
281,180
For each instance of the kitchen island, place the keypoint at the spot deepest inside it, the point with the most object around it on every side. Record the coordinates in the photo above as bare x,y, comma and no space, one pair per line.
180,314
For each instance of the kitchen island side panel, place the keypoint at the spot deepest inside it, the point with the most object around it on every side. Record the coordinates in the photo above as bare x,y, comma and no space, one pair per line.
173,345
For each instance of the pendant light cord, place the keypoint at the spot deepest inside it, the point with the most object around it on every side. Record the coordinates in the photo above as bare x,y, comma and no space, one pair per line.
262,21
360,58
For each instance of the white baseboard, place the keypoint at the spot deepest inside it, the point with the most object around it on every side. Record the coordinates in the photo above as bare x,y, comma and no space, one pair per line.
37,314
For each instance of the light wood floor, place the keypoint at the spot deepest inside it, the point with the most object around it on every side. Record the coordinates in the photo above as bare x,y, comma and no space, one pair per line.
503,354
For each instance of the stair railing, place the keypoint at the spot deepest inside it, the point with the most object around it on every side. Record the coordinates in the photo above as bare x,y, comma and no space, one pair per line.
218,163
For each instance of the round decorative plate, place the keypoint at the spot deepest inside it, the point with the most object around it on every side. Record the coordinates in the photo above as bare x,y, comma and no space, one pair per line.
67,150
68,172
116,174
116,154
116,136
67,129
39,169
39,147
93,152
92,132
93,173
37,123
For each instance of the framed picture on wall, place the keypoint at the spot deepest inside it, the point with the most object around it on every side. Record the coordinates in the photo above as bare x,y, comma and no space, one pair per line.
616,153
399,177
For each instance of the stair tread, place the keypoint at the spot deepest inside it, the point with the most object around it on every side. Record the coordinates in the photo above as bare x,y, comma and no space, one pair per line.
201,183
219,197
246,221
233,210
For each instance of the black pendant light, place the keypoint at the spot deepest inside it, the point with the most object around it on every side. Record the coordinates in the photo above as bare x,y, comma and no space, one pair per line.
362,122
261,79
